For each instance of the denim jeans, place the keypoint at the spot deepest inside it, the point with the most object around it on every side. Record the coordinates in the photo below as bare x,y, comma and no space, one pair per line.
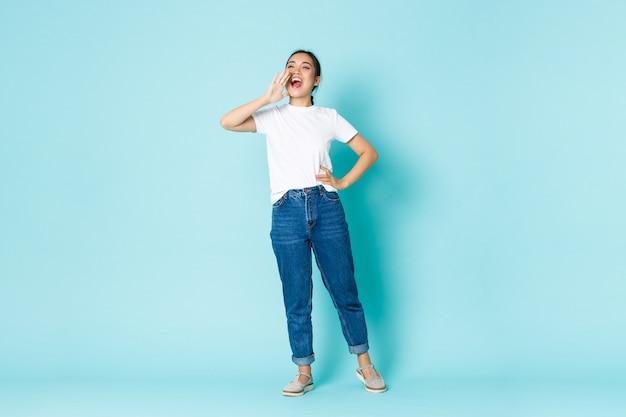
313,220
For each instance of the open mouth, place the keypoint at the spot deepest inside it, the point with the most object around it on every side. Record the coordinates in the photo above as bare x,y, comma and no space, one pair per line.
296,82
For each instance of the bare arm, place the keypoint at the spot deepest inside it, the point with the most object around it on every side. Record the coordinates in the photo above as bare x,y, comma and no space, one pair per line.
367,156
240,119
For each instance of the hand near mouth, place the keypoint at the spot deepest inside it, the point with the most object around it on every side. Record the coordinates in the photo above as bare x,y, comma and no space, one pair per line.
275,90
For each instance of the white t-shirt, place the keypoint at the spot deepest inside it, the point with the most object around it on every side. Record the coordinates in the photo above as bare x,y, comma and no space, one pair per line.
298,141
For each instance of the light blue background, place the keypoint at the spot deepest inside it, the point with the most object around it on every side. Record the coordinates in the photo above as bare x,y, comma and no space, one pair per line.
489,238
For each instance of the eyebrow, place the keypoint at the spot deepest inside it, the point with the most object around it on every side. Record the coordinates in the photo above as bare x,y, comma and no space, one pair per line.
304,62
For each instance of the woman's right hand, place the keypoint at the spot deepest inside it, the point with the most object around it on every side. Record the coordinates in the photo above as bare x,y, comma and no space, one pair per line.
240,119
275,91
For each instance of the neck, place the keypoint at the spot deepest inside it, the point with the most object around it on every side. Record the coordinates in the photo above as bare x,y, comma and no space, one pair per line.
300,101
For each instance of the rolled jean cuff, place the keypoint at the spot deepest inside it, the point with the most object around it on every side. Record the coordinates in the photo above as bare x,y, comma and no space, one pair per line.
358,349
303,361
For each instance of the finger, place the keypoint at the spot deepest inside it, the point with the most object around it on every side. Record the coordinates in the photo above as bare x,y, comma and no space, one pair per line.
285,76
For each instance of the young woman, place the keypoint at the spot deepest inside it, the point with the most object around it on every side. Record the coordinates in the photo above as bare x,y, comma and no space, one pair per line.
307,214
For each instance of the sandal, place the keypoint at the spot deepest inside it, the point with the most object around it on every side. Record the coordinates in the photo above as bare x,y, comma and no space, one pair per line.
375,383
296,388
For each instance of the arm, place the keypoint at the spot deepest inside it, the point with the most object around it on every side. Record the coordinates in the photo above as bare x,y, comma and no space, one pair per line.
367,156
240,119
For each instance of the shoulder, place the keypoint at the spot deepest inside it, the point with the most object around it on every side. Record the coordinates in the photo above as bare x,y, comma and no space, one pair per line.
269,110
267,113
332,115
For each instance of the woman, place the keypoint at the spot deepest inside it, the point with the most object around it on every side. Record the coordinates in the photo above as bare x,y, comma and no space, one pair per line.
307,214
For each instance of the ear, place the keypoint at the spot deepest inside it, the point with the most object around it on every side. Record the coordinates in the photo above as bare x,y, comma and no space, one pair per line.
318,80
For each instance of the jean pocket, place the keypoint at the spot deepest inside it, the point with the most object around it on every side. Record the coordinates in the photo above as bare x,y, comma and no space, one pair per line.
279,202
332,196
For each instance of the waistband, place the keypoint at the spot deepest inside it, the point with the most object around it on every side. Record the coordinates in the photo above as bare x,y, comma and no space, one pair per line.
318,189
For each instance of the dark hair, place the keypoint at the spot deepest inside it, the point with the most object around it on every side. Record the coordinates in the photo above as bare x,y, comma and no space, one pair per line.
316,64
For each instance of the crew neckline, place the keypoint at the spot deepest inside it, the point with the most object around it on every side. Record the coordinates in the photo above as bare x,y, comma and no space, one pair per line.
303,108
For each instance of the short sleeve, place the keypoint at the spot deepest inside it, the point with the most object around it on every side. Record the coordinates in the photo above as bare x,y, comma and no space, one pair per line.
344,131
262,119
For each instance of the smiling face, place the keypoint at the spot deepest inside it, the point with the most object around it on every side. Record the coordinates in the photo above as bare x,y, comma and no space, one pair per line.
303,77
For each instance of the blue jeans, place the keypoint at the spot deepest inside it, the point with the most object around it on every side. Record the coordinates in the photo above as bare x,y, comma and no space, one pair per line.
313,220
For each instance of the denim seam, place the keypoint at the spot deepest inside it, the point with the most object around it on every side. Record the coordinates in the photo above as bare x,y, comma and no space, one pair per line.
329,199
279,203
332,297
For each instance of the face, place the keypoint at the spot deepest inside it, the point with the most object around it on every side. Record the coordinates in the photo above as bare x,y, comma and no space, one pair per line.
302,75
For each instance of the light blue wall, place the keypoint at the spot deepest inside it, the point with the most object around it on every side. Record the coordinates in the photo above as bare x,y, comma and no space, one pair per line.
489,239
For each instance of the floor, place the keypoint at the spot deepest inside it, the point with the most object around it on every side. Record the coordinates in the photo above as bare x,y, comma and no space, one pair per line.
238,396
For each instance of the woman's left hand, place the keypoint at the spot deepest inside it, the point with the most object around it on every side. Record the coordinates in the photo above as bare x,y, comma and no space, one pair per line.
328,178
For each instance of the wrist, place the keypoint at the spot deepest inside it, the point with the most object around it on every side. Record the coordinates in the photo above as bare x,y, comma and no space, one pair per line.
342,184
264,100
